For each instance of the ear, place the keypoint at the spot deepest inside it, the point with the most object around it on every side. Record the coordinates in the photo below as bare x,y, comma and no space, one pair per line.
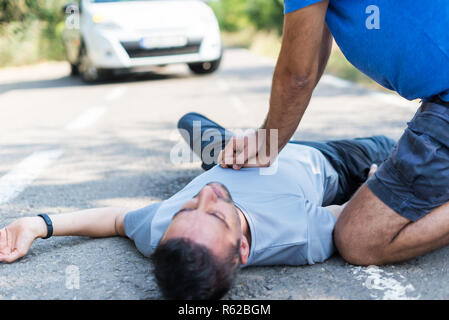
244,250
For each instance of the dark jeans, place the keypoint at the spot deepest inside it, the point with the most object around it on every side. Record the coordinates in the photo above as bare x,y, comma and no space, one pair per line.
351,158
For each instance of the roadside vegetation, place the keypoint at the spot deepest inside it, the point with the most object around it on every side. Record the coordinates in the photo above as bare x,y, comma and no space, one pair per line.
31,31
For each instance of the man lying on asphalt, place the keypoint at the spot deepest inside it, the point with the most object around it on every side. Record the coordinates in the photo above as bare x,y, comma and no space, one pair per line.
403,210
224,219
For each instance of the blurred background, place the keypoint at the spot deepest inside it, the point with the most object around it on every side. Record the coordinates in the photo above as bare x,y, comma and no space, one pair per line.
31,31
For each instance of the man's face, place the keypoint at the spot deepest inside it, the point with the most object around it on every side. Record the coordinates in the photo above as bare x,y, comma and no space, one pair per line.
210,219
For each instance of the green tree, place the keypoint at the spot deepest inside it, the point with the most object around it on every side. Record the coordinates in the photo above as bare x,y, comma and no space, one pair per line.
231,14
50,13
12,11
31,28
266,14
235,15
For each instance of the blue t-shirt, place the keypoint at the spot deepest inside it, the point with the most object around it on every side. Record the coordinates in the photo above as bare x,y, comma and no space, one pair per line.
285,211
402,45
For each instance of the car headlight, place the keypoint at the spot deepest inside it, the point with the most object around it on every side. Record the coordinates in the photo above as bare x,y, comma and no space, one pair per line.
104,23
98,18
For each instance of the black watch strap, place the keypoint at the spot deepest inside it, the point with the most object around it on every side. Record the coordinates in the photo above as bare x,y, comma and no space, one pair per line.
48,223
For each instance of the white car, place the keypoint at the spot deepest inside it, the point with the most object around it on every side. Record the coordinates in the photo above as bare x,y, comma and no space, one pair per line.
104,36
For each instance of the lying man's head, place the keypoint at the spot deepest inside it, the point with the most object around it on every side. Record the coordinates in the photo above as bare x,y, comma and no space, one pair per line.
200,252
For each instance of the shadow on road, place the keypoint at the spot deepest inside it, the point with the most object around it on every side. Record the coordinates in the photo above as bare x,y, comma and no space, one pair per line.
72,81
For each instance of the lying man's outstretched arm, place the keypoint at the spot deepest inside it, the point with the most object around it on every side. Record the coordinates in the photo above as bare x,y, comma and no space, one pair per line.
17,238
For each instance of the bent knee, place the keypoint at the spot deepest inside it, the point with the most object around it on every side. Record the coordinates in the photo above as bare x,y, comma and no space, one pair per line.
364,230
354,250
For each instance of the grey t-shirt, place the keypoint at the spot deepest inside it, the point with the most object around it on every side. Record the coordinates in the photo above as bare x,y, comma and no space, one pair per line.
284,210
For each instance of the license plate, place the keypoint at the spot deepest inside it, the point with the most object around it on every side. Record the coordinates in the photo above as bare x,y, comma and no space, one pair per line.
163,42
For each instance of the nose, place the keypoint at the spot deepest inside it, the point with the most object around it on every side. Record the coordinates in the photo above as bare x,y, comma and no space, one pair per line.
206,197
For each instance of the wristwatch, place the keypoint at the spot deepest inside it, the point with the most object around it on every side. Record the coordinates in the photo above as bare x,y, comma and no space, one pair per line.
48,223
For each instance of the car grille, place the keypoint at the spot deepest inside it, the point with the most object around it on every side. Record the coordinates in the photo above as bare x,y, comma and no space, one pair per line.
134,50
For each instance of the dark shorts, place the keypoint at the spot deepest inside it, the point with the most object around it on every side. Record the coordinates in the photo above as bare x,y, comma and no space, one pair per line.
414,180
352,160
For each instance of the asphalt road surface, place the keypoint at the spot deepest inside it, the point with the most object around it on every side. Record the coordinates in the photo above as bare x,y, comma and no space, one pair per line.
67,146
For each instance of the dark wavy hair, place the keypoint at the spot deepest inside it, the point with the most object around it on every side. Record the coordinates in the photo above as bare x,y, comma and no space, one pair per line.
185,270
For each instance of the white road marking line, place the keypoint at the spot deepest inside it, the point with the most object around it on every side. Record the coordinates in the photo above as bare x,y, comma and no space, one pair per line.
387,98
115,94
15,181
383,284
86,119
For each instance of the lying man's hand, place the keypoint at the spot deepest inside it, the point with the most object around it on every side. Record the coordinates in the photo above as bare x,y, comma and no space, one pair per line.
247,151
17,238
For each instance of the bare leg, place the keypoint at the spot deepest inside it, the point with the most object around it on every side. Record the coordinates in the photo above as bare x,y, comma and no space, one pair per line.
369,232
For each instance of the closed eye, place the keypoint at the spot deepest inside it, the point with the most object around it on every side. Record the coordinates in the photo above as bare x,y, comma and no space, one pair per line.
181,211
217,215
